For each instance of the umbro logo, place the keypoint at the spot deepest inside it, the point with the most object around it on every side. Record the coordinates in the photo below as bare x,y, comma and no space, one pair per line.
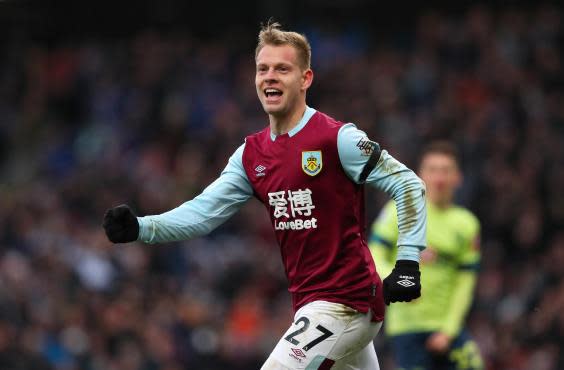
260,170
406,283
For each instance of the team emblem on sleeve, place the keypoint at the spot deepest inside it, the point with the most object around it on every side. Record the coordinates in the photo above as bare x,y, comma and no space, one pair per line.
366,146
312,162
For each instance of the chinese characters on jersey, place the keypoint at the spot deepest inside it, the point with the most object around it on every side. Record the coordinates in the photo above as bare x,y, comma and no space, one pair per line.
299,202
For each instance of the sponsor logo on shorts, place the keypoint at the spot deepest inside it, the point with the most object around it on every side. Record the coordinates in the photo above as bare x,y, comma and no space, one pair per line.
297,354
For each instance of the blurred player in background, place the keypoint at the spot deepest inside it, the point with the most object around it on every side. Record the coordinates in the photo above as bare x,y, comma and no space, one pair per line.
308,170
428,333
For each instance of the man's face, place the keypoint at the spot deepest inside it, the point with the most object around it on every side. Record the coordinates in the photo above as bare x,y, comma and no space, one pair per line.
279,80
441,175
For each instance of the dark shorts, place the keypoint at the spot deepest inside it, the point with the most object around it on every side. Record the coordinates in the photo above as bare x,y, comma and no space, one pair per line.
410,353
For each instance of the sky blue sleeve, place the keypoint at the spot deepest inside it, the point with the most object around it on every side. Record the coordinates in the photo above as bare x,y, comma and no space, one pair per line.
398,181
199,216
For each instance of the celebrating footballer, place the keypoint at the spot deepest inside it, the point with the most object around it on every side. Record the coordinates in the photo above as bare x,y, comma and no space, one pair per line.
309,171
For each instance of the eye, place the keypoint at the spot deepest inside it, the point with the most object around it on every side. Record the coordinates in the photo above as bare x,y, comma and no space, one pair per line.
262,69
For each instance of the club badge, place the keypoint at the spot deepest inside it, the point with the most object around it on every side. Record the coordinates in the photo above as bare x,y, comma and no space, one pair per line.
312,162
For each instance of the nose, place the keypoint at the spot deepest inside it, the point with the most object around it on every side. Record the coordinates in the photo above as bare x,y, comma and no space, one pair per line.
270,75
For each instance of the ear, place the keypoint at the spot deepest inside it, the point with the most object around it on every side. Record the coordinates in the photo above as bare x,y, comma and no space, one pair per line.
307,79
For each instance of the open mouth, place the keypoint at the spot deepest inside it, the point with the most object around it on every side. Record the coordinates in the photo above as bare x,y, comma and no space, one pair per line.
272,93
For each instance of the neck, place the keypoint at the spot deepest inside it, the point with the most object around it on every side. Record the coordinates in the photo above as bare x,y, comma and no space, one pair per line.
282,124
440,203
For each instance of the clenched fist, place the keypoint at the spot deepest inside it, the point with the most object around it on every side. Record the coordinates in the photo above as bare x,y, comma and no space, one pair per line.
403,284
120,224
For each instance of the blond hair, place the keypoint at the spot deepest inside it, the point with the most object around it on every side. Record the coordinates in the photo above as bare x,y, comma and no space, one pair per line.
272,34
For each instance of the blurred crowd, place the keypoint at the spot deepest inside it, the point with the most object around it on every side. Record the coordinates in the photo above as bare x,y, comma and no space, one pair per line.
151,120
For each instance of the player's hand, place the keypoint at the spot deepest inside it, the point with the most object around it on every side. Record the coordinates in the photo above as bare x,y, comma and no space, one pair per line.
403,284
120,224
438,342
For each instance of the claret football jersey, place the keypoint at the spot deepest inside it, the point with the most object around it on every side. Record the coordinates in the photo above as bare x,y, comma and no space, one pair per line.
317,214
310,181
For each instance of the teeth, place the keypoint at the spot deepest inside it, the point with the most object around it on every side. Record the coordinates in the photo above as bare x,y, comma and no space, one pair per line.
271,91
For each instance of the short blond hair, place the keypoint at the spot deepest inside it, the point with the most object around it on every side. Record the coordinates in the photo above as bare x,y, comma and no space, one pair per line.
272,34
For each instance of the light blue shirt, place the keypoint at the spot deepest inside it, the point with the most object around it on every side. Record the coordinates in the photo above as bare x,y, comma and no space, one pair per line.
227,194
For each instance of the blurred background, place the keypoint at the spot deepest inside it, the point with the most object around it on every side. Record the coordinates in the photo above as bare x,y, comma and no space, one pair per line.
143,103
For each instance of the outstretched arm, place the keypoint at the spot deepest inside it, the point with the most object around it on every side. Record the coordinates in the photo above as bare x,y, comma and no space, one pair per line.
199,216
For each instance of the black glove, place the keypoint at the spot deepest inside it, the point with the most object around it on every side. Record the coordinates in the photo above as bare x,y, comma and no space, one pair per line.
120,224
403,284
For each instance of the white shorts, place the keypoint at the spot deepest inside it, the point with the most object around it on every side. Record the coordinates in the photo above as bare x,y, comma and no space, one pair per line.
326,335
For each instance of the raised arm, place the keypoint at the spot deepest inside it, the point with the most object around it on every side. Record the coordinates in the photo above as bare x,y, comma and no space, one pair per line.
197,217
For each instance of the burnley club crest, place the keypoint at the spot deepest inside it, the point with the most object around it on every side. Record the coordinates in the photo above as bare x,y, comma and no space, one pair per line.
312,162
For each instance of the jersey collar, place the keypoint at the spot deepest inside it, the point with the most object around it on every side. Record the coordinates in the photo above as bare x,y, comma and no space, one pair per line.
309,112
